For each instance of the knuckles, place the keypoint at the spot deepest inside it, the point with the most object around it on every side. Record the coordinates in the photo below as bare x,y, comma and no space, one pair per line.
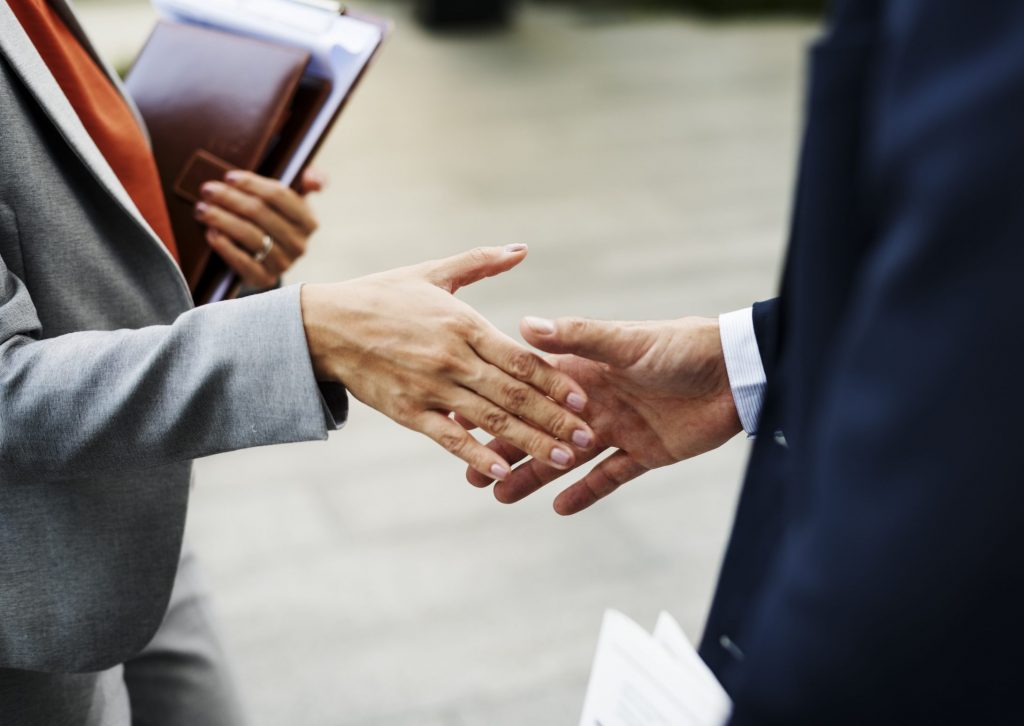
448,364
463,326
537,446
252,207
559,424
478,256
515,397
404,409
522,364
575,327
496,423
452,442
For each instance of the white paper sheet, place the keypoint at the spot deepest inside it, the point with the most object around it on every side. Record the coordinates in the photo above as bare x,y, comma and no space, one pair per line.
642,680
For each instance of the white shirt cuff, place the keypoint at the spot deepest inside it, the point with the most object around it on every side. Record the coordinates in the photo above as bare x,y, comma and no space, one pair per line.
743,364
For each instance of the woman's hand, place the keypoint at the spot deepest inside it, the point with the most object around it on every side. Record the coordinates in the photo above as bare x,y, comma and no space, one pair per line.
245,210
401,343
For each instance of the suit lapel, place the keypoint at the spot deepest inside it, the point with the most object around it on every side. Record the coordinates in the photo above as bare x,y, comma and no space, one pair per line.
26,62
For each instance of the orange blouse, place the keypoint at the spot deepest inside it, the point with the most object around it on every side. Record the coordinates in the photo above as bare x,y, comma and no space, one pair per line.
102,110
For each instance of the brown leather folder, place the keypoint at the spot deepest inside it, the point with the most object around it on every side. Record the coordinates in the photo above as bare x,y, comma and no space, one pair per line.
212,102
215,101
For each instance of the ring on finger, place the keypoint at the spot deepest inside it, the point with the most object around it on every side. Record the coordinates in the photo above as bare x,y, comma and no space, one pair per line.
264,251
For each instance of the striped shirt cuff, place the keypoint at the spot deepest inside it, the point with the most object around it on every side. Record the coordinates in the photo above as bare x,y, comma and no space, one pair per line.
743,363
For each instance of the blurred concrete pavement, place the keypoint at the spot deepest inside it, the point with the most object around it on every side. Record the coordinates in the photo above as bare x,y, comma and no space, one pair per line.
647,160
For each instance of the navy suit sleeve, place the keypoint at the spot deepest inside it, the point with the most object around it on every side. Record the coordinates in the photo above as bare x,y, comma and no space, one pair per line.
900,580
766,330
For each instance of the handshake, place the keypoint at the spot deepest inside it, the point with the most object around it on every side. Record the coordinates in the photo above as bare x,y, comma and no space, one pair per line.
400,342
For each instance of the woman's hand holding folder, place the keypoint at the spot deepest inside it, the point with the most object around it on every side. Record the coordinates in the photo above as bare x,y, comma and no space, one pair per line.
246,208
400,342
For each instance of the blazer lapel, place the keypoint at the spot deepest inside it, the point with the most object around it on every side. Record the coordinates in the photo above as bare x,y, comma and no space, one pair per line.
26,62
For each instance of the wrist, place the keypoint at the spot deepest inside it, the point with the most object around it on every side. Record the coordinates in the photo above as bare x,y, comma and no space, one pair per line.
316,303
714,371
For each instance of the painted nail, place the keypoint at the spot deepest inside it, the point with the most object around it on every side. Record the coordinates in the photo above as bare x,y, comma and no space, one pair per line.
207,189
515,248
201,209
560,457
498,471
234,176
582,438
576,401
543,326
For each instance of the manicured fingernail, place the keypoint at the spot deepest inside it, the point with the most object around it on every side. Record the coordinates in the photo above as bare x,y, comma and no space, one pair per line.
576,401
234,176
201,209
540,325
207,189
498,471
582,438
560,457
515,248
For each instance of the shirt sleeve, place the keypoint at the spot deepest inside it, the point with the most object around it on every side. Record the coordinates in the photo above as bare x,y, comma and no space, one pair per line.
747,377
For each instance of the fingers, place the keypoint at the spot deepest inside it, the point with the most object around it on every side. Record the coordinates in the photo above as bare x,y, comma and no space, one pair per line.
276,195
506,451
533,475
512,360
499,422
601,481
464,269
616,344
313,179
259,212
456,440
245,235
252,272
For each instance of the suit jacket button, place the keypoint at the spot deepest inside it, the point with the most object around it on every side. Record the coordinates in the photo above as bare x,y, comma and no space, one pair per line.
730,647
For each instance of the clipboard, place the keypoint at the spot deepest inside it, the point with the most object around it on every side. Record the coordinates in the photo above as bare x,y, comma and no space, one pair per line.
333,49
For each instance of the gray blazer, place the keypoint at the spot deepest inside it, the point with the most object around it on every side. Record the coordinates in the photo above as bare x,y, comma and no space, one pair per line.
110,385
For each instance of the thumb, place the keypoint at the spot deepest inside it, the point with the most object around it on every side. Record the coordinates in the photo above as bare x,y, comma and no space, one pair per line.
313,179
472,266
617,344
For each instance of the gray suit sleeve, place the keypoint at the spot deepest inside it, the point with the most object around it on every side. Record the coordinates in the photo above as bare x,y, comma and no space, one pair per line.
222,377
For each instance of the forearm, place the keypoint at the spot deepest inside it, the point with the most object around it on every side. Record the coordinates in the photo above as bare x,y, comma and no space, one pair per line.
222,377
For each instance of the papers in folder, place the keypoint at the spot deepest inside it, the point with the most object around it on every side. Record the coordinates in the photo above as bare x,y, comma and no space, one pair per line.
640,679
341,46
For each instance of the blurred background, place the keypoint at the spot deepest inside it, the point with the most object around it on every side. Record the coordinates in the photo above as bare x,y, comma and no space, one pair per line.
645,151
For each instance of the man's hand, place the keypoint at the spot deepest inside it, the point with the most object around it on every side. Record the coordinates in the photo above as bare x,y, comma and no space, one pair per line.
659,393
240,211
400,342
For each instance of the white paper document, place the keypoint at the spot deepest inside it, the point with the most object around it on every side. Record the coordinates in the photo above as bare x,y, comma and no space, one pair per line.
640,679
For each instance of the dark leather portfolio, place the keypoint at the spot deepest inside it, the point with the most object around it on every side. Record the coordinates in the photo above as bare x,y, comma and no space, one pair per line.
215,101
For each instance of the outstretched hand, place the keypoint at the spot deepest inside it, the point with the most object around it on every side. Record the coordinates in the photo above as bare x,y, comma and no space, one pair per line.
401,343
658,393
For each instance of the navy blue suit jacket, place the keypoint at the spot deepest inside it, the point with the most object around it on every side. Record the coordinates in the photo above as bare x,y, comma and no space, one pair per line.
875,570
